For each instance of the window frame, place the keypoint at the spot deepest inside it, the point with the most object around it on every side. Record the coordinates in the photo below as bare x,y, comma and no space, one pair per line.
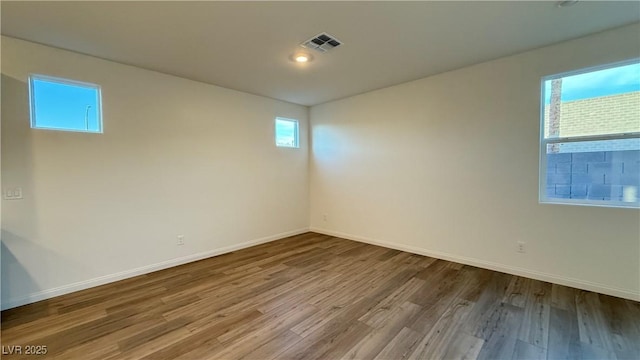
542,180
296,135
64,81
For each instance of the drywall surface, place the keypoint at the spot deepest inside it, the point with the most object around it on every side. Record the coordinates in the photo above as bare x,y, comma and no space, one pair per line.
177,157
448,166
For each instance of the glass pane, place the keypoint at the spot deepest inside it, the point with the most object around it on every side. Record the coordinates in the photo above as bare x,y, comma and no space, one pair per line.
593,103
65,106
286,133
594,170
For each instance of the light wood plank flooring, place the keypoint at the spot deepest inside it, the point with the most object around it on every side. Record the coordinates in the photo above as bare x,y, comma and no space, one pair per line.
319,297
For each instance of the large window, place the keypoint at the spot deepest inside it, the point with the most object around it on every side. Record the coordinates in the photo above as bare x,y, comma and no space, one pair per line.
590,143
287,133
61,104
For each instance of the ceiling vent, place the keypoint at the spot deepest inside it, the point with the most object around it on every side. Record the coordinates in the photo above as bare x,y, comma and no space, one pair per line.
322,42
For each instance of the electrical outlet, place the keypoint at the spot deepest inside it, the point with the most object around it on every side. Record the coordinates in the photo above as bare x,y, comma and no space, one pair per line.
521,247
180,240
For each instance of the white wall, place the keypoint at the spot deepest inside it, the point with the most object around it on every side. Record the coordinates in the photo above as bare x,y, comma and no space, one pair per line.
448,166
176,157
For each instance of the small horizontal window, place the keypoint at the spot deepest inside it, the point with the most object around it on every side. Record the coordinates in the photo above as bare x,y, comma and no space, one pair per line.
590,143
66,105
287,133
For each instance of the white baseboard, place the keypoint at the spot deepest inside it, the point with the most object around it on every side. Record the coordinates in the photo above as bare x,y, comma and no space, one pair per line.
556,279
82,285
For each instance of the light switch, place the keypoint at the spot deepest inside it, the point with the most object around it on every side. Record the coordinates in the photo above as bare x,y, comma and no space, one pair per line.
12,193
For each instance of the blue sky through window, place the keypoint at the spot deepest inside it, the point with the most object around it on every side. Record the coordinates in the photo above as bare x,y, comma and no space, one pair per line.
286,133
615,80
65,105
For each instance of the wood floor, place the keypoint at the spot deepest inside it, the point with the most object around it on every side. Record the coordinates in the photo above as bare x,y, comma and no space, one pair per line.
318,297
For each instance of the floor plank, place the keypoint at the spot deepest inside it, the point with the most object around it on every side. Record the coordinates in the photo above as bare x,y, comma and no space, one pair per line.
315,296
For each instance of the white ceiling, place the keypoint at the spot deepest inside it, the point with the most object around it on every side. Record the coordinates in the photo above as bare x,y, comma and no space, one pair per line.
246,45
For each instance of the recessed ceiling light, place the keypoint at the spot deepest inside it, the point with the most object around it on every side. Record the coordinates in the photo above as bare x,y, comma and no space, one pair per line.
566,3
301,57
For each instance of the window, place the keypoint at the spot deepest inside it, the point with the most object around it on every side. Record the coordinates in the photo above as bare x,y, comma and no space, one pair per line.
67,105
590,137
287,133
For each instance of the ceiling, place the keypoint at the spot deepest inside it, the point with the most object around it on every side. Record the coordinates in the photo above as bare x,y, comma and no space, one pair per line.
246,45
